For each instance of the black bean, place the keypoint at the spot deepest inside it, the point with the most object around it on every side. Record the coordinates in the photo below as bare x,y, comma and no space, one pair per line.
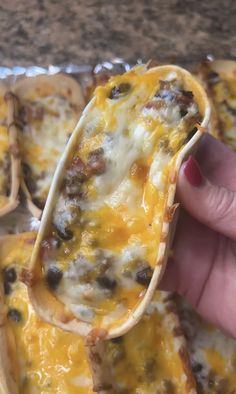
95,153
184,99
65,234
187,93
144,276
119,91
213,77
197,367
104,262
106,282
9,274
183,112
26,169
14,315
53,277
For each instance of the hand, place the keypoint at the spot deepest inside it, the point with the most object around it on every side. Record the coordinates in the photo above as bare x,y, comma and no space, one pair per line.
203,268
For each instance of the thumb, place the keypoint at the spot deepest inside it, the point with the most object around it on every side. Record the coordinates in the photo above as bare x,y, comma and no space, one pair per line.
212,205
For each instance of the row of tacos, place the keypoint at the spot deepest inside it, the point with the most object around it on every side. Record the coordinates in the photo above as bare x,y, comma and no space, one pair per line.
43,358
152,356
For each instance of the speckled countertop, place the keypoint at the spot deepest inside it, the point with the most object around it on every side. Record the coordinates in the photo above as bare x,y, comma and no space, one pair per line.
62,31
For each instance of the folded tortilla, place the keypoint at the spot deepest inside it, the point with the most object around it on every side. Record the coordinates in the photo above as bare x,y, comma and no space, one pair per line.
105,232
219,78
151,358
34,356
9,153
49,108
212,353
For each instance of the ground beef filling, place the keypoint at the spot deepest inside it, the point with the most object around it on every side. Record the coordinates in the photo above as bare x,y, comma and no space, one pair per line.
99,278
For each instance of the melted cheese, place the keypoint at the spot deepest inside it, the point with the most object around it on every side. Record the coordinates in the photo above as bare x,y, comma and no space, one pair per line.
223,93
49,359
139,135
146,360
4,155
212,353
43,139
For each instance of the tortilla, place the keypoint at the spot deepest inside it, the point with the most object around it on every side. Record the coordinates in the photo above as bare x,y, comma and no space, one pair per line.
219,77
34,356
110,216
151,358
49,108
212,353
9,153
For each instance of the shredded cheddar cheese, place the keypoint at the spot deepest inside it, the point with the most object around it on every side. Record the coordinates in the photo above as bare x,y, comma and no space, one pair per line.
42,141
146,360
222,89
4,155
101,247
49,360
46,121
212,353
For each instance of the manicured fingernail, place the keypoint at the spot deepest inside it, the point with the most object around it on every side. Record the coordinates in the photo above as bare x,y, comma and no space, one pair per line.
193,172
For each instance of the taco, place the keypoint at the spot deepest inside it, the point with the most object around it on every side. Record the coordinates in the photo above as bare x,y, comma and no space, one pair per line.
34,356
219,77
151,358
49,108
212,353
110,215
9,153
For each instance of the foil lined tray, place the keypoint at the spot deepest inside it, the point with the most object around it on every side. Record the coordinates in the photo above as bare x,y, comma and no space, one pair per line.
86,75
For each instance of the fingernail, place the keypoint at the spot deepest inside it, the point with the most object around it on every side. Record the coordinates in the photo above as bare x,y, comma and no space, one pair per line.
193,172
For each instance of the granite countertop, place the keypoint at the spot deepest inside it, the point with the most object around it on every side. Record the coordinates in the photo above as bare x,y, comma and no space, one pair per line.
82,32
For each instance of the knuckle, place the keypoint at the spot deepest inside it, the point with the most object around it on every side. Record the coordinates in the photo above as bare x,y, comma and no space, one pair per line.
222,203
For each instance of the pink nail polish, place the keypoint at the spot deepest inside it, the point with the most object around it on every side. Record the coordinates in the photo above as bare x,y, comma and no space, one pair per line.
192,172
